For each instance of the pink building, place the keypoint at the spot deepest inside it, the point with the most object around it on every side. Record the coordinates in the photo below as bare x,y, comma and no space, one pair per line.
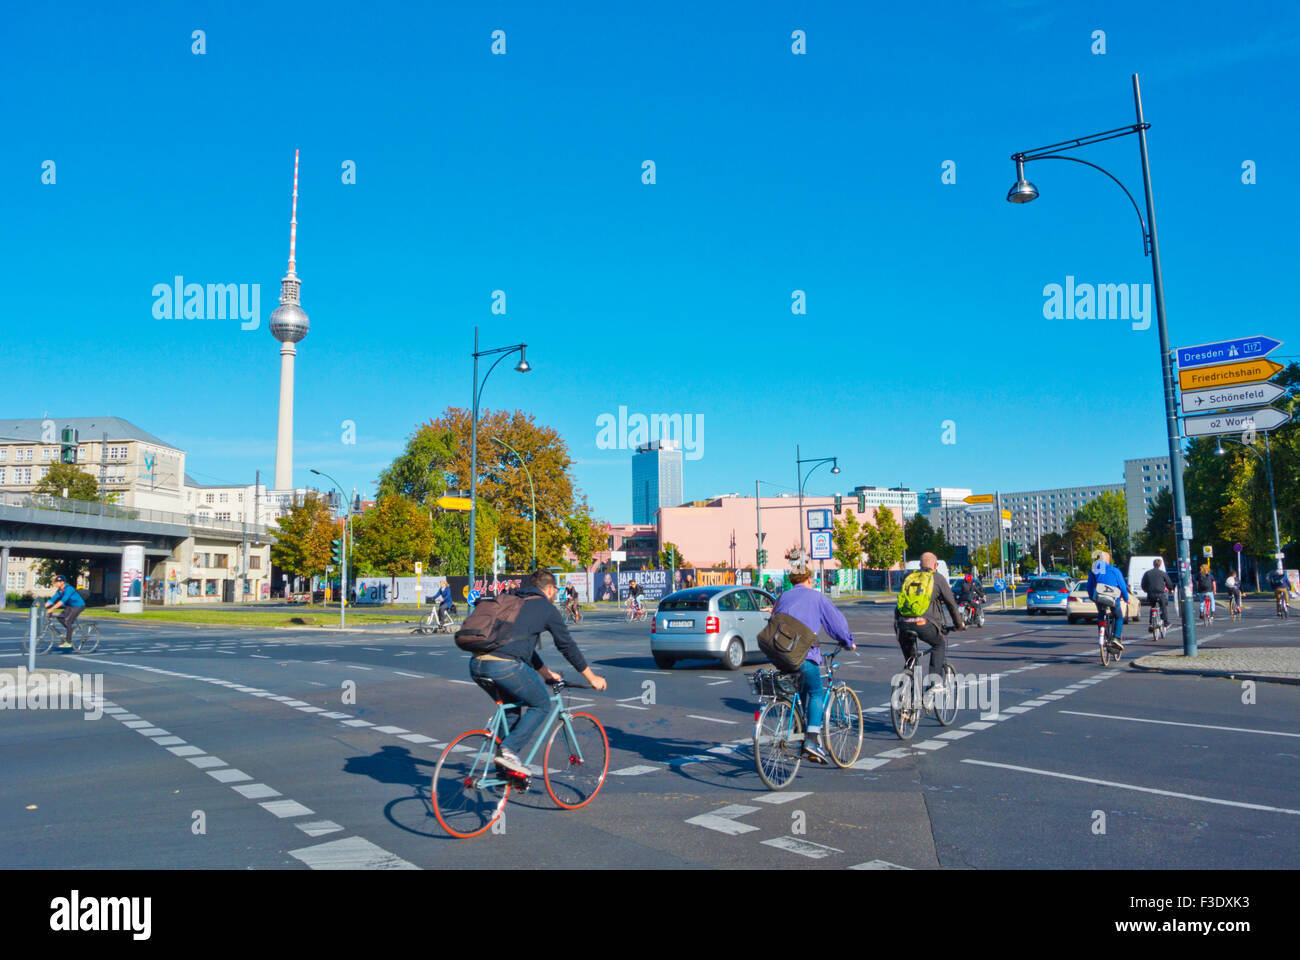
639,541
705,530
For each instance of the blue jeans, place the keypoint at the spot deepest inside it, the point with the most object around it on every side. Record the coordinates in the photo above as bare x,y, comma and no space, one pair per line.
516,682
813,692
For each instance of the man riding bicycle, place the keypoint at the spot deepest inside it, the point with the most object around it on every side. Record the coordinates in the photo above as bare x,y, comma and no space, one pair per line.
816,612
442,600
918,614
1157,586
1108,589
1206,587
70,600
634,597
1233,586
513,672
1280,585
571,601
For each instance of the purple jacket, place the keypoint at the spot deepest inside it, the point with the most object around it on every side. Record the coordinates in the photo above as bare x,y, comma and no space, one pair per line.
811,608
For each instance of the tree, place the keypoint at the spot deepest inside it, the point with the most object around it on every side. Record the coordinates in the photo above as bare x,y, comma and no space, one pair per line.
922,537
666,557
846,535
393,535
303,537
1156,539
586,535
79,485
883,543
1109,512
987,557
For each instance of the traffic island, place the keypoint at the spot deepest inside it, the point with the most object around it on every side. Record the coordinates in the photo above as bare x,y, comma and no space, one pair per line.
1270,664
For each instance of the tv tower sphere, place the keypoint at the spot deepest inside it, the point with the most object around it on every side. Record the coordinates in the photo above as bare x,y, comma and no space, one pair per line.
289,323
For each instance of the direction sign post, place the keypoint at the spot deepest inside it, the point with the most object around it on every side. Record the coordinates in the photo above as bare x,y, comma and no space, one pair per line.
1258,419
1225,398
979,498
1225,351
1227,374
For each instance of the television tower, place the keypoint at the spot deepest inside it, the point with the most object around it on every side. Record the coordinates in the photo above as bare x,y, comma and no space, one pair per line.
289,324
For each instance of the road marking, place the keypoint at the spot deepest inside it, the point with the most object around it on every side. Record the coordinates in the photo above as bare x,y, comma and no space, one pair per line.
468,682
632,706
135,724
953,734
186,751
391,729
375,649
1033,703
256,791
207,761
869,763
783,797
352,853
1020,709
714,683
695,716
878,865
357,723
228,775
1173,723
1139,789
896,754
804,848
416,738
325,661
721,819
336,715
353,666
286,808
318,828
635,771
311,709
931,744
259,656
416,676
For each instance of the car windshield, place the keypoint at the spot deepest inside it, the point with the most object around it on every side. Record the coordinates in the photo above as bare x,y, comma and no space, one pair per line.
1047,585
697,598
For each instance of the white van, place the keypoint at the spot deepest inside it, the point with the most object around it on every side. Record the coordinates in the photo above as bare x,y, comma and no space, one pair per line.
1137,568
942,568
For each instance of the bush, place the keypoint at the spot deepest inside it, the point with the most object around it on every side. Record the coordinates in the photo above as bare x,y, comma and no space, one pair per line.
13,599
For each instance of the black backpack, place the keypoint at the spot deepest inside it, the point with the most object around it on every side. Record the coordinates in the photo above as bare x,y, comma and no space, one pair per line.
786,642
490,623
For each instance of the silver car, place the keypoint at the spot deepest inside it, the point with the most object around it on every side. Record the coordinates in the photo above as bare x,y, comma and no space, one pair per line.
715,623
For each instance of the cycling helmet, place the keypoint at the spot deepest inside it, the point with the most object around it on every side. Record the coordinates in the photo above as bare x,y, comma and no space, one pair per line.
968,578
800,562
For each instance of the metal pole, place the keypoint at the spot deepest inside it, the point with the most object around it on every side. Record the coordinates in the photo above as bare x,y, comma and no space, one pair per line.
798,472
758,524
1277,538
473,464
1038,525
532,493
32,616
1171,410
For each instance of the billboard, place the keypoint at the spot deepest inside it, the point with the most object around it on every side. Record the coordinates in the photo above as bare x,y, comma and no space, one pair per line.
131,599
653,583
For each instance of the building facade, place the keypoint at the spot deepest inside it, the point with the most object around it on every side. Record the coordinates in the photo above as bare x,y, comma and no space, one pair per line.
1143,480
656,479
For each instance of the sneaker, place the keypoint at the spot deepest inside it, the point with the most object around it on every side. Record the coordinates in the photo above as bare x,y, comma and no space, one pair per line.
66,644
510,763
814,752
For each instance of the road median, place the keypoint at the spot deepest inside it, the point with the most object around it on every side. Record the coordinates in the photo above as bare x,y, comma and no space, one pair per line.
1268,664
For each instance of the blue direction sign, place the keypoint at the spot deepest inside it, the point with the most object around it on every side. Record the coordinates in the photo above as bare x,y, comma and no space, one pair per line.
1225,351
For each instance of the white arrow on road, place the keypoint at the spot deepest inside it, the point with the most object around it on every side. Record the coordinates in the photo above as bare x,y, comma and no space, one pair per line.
1220,398
1261,418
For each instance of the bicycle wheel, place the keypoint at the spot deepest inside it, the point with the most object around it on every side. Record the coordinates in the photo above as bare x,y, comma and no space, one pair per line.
45,641
842,726
87,640
945,705
464,808
778,744
905,708
576,761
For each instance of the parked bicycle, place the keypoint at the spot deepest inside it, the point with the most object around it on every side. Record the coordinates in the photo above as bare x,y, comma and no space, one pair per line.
780,721
911,700
470,792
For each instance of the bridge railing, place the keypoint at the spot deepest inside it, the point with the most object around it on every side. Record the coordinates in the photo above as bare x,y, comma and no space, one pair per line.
115,511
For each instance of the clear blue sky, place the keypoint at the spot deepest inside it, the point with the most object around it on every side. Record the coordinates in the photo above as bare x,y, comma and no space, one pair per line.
523,173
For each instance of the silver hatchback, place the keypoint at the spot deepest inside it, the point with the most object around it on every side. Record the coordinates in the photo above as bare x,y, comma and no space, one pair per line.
715,623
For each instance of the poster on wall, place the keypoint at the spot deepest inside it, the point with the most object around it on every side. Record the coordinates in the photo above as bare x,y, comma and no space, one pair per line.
606,587
578,581
131,599
653,583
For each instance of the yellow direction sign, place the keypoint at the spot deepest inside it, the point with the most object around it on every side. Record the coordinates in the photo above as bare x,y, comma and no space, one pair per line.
455,503
979,498
1226,374
1006,514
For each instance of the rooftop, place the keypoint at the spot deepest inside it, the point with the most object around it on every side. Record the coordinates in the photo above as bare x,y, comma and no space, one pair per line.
88,428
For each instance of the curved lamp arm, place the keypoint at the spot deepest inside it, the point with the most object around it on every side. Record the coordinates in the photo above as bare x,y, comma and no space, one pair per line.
1146,235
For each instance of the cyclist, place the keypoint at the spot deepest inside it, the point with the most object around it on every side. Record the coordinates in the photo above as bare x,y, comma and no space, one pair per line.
972,592
925,626
513,672
442,600
1206,586
1157,586
1233,586
70,600
1108,588
816,612
634,597
1281,586
571,601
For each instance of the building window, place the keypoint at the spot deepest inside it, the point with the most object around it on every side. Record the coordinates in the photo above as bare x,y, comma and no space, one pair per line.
22,475
223,515
27,454
4,454
254,563
209,498
225,498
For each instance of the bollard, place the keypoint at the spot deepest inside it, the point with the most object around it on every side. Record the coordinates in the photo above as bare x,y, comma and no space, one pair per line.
31,638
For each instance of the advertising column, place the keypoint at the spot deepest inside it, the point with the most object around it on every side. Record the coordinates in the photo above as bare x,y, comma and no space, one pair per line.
132,595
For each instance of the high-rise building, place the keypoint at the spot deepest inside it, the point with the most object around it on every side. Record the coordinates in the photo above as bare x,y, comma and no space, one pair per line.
656,479
1143,479
904,499
289,324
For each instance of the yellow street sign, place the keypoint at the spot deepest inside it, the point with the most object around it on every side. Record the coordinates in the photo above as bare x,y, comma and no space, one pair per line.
455,503
979,498
1227,374
1006,514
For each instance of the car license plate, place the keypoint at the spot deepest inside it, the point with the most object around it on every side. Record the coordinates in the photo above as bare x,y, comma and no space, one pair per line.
681,623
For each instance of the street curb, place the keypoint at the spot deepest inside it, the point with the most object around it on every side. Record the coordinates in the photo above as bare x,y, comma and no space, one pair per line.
1221,674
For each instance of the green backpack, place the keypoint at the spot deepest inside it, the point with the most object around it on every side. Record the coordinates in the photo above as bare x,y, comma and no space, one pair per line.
915,593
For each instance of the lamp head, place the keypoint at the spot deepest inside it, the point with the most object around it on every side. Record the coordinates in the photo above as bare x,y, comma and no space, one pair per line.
1218,447
315,471
835,468
1023,191
523,366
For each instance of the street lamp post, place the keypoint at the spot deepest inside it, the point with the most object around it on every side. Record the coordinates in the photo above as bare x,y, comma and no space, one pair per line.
343,578
798,469
531,493
521,367
1267,459
1023,192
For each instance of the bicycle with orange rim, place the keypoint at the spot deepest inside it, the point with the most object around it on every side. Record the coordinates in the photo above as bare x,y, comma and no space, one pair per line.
470,791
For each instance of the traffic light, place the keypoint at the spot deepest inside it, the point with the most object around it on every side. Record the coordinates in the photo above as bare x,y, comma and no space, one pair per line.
336,551
68,448
839,502
762,557
862,503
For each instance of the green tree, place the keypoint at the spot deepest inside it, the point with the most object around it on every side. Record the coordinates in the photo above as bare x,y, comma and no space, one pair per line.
79,485
987,557
586,534
393,535
922,537
846,534
303,537
883,542
666,554
1156,538
1109,512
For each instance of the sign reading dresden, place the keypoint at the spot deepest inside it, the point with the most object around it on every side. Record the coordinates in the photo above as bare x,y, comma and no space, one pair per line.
1226,351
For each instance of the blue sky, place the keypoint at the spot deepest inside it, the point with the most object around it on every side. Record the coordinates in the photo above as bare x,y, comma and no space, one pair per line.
522,173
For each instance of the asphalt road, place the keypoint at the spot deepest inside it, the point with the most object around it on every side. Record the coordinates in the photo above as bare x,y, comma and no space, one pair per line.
246,734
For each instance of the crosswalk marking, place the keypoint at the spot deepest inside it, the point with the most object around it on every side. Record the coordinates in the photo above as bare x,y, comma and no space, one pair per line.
802,847
352,853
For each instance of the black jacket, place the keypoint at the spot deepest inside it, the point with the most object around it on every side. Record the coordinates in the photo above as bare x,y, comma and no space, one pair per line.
1155,583
539,616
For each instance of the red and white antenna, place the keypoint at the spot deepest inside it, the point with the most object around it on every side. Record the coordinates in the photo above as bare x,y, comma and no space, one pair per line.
293,221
